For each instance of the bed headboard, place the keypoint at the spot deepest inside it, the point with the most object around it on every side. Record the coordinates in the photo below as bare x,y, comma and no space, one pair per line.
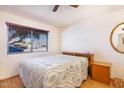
87,55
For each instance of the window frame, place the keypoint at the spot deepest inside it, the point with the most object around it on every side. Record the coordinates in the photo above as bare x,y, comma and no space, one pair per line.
31,30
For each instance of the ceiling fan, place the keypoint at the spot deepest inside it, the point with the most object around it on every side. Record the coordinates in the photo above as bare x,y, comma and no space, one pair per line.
57,6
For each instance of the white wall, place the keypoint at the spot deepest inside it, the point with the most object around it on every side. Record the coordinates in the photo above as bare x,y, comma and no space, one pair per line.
94,35
9,63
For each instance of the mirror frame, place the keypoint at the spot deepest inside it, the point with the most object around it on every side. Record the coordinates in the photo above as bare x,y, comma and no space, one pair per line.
114,29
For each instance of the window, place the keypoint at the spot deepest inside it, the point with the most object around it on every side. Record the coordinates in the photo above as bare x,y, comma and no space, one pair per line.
39,41
23,39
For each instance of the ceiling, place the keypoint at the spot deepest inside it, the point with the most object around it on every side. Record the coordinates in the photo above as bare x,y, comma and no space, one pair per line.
64,16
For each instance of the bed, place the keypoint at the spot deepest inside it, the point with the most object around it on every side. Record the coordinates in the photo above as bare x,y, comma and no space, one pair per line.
57,71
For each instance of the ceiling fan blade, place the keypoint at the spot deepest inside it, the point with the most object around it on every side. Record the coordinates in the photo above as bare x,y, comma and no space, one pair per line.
75,6
55,8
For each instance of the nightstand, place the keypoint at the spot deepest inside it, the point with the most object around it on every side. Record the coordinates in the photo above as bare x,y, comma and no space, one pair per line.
101,71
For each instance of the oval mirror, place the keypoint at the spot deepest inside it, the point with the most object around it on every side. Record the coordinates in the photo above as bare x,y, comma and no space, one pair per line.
117,38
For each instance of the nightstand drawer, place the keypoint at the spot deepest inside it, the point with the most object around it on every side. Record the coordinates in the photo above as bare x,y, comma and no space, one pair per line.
101,73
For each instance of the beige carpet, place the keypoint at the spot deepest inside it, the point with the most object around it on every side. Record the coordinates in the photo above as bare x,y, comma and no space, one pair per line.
15,82
89,83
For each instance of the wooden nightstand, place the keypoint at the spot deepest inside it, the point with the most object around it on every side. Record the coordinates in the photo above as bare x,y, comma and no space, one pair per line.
101,71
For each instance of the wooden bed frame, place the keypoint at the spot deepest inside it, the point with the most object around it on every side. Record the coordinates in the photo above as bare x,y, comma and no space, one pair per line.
89,56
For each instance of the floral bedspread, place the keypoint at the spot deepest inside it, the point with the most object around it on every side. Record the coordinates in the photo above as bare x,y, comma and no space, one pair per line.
62,71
